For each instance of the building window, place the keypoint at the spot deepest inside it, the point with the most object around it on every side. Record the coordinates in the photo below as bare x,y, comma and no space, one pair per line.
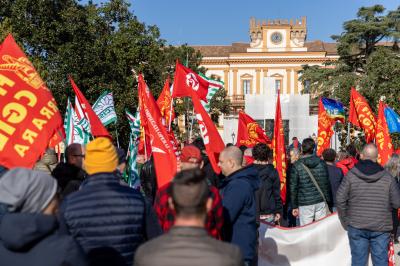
278,87
246,86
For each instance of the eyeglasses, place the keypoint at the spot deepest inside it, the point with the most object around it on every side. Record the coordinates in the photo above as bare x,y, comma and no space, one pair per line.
79,155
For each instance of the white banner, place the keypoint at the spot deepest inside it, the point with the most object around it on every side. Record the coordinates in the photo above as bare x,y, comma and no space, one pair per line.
104,108
321,243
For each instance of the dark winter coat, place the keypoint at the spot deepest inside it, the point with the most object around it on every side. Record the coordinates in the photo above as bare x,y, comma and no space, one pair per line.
69,178
105,216
238,199
33,239
302,190
269,194
148,180
335,178
367,196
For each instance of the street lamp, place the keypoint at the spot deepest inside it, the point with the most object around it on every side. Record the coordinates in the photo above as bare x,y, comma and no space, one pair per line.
233,137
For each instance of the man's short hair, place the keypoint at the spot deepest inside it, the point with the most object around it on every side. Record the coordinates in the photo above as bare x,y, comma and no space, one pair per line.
308,146
352,150
243,148
199,143
329,155
261,152
189,192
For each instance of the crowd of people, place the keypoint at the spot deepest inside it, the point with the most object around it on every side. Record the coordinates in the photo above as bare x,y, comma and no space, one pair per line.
80,212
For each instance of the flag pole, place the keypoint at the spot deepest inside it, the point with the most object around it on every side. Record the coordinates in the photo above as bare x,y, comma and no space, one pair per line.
191,126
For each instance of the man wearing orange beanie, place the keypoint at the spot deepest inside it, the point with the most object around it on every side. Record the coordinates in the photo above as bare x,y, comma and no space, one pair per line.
104,215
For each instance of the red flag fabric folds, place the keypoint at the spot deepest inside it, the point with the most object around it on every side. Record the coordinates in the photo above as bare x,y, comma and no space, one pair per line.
211,138
29,115
186,81
278,144
249,132
361,115
325,131
383,140
165,160
97,128
164,103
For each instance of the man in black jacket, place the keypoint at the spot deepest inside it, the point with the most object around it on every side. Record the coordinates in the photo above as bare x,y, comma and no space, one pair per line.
335,173
307,201
70,174
365,200
109,220
268,196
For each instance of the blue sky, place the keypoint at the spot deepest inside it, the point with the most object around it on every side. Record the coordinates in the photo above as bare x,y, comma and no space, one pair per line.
221,22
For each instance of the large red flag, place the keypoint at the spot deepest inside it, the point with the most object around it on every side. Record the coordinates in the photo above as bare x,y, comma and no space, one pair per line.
383,140
164,102
278,145
97,128
29,116
361,115
249,132
186,81
211,138
165,160
325,131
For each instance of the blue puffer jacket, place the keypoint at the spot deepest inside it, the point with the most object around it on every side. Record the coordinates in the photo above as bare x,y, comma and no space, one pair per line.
238,199
108,220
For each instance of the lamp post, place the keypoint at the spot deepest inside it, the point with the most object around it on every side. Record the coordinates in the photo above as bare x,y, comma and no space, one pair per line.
233,137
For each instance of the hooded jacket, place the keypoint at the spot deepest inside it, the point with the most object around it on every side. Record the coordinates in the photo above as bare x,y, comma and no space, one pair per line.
269,195
302,190
366,197
33,239
238,199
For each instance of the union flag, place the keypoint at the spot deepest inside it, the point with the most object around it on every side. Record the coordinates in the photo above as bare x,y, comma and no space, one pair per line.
383,140
249,132
164,103
361,115
278,146
325,131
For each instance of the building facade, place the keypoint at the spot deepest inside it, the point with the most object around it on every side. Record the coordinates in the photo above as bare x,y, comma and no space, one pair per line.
270,61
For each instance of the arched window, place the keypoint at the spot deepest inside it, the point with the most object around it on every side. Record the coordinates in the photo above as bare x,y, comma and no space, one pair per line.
246,83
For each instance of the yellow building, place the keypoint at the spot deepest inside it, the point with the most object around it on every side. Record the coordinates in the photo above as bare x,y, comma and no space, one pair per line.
270,61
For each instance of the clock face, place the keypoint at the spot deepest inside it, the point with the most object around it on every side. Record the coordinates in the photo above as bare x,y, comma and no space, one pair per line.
276,37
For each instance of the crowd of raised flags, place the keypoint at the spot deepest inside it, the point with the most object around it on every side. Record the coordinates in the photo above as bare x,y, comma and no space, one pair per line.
151,132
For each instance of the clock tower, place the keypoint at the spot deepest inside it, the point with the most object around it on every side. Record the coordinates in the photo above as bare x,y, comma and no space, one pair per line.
278,35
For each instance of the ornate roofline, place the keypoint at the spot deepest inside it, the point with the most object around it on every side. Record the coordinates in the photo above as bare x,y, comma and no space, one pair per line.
267,60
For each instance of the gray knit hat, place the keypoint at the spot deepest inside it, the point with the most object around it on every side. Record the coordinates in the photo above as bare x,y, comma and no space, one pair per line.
25,190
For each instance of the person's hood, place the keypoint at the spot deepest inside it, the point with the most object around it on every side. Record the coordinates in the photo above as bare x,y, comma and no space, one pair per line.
369,171
248,173
348,162
20,231
262,168
311,161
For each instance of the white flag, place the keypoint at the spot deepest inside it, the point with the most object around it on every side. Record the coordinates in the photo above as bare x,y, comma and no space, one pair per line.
104,108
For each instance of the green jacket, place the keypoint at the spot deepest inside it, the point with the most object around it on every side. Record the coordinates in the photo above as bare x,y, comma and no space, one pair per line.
302,189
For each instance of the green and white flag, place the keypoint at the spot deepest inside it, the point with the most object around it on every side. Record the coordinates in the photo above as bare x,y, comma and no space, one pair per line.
131,174
214,86
104,108
69,124
82,130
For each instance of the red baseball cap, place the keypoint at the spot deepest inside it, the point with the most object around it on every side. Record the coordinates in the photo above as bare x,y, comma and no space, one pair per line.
191,153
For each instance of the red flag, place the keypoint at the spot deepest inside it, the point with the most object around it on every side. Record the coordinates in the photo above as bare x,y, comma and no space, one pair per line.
186,81
249,132
325,131
97,128
29,115
211,138
383,140
278,144
165,160
361,115
164,102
